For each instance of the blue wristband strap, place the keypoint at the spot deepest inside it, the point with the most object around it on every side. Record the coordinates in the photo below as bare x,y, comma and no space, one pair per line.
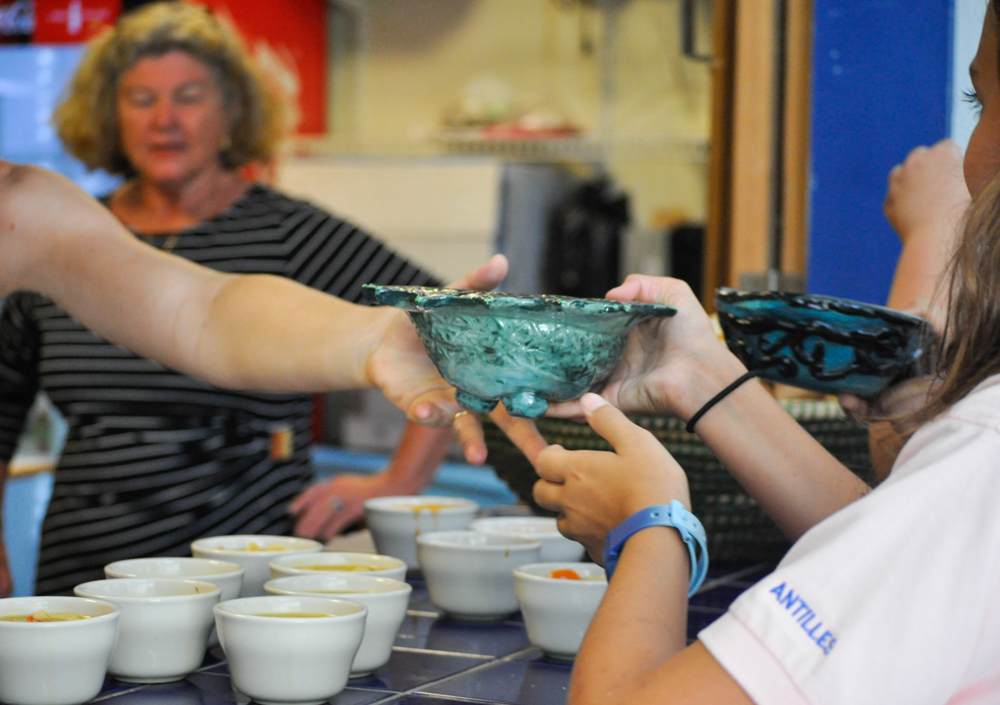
673,514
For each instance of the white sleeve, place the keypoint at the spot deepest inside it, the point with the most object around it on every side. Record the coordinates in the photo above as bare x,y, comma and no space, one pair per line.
891,600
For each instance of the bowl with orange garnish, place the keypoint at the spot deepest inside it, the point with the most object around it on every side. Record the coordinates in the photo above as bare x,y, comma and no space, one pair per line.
558,601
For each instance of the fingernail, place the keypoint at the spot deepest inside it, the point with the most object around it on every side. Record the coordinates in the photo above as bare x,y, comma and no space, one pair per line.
592,402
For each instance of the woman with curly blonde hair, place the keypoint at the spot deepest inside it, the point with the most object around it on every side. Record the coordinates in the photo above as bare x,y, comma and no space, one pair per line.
154,459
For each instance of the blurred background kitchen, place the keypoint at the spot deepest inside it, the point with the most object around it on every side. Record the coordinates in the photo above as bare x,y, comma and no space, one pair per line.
726,142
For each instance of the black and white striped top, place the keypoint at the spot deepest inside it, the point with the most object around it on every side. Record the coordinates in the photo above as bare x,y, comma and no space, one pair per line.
155,459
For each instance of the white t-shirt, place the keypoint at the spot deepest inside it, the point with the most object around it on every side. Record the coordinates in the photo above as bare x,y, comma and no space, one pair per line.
895,599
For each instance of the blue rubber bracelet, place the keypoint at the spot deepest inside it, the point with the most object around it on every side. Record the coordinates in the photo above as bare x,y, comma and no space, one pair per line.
673,514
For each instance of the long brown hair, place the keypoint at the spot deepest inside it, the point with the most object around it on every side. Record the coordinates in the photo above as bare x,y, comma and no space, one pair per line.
969,349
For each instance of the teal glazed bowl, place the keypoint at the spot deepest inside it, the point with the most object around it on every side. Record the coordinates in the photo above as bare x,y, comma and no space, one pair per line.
523,350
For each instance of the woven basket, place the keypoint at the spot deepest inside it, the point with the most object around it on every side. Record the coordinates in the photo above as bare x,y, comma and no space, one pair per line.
739,533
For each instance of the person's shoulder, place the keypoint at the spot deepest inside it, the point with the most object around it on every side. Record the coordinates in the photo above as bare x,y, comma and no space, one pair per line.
981,407
969,430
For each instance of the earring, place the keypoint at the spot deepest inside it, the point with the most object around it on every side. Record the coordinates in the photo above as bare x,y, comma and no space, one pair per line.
227,142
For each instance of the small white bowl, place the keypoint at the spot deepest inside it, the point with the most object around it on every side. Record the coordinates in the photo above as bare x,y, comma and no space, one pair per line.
55,663
228,576
395,522
290,660
338,563
163,628
555,546
557,611
385,598
470,575
236,549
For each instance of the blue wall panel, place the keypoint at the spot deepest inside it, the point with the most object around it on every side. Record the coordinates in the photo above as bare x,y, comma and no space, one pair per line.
880,87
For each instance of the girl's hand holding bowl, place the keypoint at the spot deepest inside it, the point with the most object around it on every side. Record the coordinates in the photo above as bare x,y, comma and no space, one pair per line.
595,491
672,367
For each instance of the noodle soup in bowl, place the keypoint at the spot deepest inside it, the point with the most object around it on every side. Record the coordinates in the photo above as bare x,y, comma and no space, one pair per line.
338,563
252,553
164,625
226,576
61,662
395,522
385,598
290,650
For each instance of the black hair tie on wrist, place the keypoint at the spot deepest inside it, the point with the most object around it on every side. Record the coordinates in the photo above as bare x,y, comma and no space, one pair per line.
716,399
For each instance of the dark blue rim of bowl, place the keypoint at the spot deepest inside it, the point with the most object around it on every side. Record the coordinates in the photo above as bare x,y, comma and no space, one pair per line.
820,304
421,298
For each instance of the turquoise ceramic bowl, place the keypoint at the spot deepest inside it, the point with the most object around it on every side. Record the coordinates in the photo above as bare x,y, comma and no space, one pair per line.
525,351
821,343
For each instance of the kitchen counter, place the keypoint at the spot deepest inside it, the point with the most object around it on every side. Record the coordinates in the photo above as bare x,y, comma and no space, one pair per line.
439,661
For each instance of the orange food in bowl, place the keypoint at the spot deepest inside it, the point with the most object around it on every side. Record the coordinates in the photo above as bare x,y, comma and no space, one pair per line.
565,574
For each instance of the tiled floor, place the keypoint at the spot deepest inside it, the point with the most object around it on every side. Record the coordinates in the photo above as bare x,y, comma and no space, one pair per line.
440,661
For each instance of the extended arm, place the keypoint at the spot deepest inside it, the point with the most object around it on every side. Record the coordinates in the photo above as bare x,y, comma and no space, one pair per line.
258,331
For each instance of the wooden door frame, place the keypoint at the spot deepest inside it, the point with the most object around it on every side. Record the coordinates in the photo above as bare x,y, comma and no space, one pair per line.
744,167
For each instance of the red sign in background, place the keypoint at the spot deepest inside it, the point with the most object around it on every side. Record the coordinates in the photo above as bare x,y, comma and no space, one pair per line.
292,33
72,21
288,38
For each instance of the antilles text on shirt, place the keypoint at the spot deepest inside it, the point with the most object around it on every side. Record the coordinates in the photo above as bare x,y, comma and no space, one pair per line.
806,618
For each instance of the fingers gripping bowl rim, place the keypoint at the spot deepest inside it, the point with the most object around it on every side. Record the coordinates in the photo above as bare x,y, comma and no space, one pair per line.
524,350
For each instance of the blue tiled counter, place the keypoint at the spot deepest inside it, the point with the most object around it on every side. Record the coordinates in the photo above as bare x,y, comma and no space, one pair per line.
440,661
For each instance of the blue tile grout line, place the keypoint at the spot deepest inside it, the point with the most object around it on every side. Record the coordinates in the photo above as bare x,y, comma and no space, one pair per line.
100,698
418,690
459,699
435,652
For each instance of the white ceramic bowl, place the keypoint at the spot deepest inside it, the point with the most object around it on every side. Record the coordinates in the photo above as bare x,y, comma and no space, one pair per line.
55,663
395,522
385,598
328,563
290,660
555,546
226,575
163,628
558,611
235,549
470,575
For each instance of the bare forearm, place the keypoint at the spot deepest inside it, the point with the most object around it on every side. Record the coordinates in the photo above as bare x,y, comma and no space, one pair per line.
418,455
641,623
919,273
260,332
269,333
790,474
